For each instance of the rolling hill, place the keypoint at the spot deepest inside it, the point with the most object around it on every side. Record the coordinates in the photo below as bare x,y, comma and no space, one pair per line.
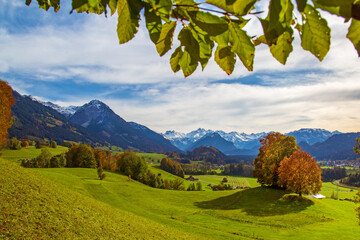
34,207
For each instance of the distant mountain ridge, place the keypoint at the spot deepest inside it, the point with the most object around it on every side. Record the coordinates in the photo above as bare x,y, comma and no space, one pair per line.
243,141
214,140
98,120
33,120
92,123
97,117
337,147
320,143
312,136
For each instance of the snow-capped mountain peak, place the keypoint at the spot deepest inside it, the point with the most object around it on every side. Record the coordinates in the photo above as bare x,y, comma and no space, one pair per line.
67,111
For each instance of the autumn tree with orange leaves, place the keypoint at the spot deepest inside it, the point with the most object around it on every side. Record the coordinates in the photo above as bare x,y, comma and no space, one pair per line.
275,147
300,173
6,102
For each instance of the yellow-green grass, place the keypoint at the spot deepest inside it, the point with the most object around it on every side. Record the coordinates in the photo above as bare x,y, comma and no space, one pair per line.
28,153
262,213
152,157
232,180
165,175
34,207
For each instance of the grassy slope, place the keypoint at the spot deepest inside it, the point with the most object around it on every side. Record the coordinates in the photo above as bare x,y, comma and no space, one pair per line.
152,157
254,213
29,152
258,212
33,207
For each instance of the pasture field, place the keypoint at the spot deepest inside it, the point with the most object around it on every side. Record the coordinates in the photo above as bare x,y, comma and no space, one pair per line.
256,213
34,207
28,153
152,157
232,180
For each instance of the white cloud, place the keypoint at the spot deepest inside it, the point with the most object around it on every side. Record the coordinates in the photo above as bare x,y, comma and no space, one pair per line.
325,95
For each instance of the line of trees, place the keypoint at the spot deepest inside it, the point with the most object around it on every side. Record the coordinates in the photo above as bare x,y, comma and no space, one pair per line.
127,163
353,179
241,169
136,168
172,167
45,160
330,174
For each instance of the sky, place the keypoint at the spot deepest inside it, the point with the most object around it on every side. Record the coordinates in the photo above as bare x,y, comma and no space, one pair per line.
70,59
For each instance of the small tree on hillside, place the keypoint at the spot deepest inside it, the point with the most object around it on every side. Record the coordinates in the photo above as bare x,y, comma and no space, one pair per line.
53,144
198,186
300,173
43,160
101,173
14,144
25,143
38,145
85,156
132,165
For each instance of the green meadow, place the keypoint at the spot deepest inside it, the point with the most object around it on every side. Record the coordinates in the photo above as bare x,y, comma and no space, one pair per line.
128,207
28,153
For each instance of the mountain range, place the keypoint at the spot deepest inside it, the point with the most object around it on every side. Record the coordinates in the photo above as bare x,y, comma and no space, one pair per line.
321,143
96,123
93,123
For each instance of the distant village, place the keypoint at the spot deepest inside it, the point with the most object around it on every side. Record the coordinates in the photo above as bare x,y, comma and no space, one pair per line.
340,163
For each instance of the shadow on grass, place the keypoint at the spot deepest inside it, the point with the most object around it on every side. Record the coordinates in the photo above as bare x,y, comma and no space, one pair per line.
260,201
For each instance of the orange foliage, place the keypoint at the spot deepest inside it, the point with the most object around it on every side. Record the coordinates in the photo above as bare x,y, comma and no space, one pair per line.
25,143
6,102
275,147
300,173
105,160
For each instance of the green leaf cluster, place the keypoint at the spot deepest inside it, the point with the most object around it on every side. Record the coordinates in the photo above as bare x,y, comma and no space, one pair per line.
217,26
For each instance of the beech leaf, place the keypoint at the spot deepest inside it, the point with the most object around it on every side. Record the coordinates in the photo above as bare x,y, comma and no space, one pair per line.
164,43
315,35
354,34
242,45
225,58
128,20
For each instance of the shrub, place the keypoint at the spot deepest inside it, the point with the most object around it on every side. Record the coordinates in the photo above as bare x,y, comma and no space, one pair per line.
101,173
67,144
81,156
38,145
14,144
43,160
132,165
53,144
25,143
198,186
58,161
